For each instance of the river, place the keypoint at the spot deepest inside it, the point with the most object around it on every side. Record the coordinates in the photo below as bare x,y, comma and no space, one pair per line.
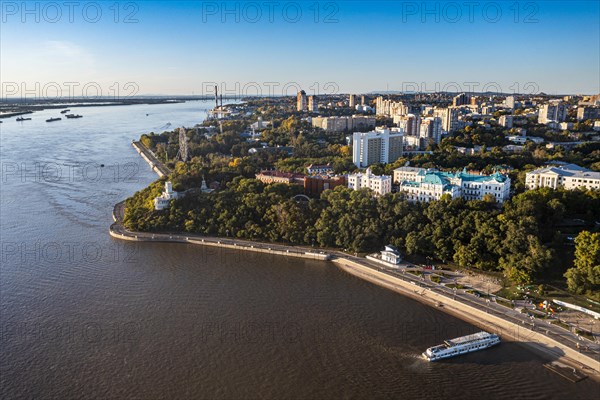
85,316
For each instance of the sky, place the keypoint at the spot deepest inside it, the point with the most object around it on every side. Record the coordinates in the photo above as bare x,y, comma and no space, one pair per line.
125,48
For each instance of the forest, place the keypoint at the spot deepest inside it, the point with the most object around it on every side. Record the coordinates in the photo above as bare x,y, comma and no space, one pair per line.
520,239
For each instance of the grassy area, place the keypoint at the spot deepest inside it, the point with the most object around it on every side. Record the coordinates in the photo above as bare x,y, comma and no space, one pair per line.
585,334
436,279
561,324
504,303
417,273
455,285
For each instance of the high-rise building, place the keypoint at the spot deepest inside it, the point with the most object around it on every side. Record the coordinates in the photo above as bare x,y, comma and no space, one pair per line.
460,100
363,100
409,124
390,108
352,101
584,113
554,111
301,101
510,102
345,123
449,118
431,129
312,103
379,146
506,121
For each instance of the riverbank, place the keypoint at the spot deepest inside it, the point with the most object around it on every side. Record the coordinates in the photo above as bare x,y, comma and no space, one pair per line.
544,340
10,108
533,339
155,164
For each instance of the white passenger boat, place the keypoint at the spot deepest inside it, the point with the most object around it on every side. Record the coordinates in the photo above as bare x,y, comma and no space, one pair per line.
462,345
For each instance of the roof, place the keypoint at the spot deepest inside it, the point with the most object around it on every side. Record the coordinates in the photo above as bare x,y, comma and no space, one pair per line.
570,170
281,174
468,338
409,169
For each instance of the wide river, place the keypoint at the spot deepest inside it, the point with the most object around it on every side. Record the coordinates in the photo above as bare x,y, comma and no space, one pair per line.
85,316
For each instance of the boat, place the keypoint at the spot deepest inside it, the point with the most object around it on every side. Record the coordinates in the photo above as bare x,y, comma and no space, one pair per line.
461,345
23,119
73,116
53,119
65,111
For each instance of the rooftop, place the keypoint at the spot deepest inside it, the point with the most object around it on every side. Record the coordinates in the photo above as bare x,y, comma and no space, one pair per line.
280,174
571,170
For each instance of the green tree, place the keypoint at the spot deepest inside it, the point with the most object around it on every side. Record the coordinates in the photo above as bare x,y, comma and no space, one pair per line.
584,277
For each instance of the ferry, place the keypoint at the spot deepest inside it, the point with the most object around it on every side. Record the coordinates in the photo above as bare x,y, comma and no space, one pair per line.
53,119
461,345
65,111
73,116
23,119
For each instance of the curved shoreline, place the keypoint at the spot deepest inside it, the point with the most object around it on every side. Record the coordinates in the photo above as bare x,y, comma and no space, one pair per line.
457,305
513,326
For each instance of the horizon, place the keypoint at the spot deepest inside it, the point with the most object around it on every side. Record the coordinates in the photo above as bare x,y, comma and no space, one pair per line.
183,48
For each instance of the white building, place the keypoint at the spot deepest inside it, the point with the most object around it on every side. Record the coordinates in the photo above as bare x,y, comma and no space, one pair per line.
389,107
379,184
565,126
406,174
341,124
382,145
164,200
260,125
523,139
391,255
449,116
506,121
319,169
420,184
569,176
431,129
554,111
409,124
510,102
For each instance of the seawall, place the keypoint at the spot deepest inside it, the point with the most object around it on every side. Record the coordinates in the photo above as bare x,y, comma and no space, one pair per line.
156,166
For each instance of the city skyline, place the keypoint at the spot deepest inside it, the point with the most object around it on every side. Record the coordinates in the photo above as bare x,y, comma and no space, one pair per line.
182,48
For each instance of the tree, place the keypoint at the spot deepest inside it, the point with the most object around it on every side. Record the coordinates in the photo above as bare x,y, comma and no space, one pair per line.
584,277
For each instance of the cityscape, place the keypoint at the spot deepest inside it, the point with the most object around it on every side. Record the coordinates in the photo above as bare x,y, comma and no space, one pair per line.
324,229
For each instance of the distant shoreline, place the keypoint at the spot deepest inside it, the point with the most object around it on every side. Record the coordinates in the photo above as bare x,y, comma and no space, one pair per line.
17,109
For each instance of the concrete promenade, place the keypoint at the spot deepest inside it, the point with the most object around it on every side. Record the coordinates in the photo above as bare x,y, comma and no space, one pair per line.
552,341
157,166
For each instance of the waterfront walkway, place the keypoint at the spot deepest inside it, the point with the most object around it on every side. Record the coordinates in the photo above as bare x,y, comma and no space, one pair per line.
552,340
156,165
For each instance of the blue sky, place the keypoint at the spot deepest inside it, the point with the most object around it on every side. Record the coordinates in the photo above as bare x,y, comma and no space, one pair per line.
344,46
